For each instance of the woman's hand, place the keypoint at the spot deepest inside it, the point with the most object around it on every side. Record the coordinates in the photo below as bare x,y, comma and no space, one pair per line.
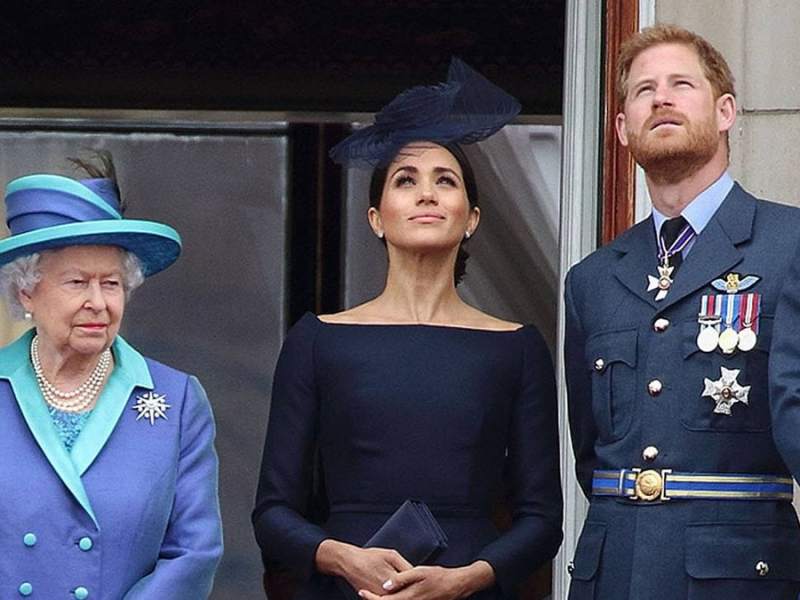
363,568
435,583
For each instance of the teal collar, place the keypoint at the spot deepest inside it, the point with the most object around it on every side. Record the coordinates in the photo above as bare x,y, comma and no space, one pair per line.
130,371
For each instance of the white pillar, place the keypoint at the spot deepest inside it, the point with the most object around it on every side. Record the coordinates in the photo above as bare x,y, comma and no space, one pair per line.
578,234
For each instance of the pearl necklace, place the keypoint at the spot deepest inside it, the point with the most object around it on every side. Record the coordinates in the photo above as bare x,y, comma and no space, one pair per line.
79,399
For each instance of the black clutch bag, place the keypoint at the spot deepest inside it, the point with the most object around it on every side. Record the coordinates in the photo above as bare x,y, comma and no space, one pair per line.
413,531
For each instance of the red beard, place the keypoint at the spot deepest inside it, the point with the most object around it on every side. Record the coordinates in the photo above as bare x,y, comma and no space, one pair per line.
676,155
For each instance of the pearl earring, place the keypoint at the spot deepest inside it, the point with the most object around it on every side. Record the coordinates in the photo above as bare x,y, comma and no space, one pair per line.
28,316
379,234
467,234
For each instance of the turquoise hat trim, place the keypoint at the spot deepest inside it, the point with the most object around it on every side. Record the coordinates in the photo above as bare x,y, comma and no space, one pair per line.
157,245
61,184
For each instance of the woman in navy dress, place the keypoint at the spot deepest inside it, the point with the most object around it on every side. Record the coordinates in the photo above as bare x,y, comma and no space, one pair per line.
414,394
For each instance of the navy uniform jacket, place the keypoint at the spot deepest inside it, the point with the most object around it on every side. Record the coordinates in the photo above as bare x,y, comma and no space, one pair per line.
131,513
694,549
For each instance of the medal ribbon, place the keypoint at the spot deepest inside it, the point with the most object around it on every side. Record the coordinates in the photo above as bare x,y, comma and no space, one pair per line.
686,235
749,311
711,305
730,308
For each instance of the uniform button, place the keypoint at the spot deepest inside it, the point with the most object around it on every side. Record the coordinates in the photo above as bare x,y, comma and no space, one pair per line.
81,593
661,325
85,544
29,539
599,364
762,568
650,453
654,387
25,589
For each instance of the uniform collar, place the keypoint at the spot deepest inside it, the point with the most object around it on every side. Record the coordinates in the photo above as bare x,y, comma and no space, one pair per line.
130,371
700,210
715,252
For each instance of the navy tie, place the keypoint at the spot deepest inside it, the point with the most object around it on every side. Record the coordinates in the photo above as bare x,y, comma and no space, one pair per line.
669,233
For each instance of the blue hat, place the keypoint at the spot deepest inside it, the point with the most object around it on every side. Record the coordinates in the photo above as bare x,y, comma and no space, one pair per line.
466,108
45,212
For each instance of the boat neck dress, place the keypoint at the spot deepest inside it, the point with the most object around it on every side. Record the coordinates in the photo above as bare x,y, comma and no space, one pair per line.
458,418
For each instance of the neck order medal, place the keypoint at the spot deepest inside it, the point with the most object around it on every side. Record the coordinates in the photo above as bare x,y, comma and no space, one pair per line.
661,283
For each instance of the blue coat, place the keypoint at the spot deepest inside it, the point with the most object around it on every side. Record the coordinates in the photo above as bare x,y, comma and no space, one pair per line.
696,549
131,513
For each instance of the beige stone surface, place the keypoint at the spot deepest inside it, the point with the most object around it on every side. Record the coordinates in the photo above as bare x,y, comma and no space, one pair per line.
765,155
772,55
721,22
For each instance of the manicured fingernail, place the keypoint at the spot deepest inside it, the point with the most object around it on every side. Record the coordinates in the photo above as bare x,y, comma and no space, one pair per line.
361,593
388,584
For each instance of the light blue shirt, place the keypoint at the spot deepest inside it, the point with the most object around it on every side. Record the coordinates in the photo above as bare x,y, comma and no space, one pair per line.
700,210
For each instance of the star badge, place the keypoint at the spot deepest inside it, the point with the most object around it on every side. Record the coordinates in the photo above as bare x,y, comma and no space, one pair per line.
662,282
151,406
726,391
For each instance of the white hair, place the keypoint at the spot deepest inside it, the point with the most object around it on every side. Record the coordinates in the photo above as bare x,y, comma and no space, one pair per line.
23,273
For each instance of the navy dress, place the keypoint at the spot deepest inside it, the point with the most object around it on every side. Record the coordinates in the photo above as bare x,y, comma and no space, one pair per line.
455,417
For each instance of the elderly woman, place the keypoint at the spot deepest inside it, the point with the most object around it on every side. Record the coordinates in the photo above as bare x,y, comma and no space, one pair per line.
109,473
415,395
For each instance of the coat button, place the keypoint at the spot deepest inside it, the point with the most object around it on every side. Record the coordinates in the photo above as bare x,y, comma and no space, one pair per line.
650,453
25,589
81,593
599,364
570,567
762,568
85,544
29,539
661,325
654,387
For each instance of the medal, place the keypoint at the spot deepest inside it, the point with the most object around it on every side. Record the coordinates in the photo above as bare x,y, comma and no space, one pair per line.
708,338
709,320
749,318
663,282
728,321
728,340
747,339
726,391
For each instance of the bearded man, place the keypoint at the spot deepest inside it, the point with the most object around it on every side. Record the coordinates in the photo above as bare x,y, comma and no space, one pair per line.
682,356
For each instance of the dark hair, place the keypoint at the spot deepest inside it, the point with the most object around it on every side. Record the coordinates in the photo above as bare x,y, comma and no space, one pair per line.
378,181
104,170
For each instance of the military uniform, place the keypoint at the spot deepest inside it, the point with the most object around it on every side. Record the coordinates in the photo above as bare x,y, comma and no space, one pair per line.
675,441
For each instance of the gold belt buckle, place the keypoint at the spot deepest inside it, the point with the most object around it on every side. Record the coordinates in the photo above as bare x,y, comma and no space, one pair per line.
650,484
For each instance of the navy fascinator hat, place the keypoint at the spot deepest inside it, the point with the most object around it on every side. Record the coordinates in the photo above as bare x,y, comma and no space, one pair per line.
465,109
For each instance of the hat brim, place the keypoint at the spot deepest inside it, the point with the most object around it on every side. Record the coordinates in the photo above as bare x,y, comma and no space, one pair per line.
156,245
